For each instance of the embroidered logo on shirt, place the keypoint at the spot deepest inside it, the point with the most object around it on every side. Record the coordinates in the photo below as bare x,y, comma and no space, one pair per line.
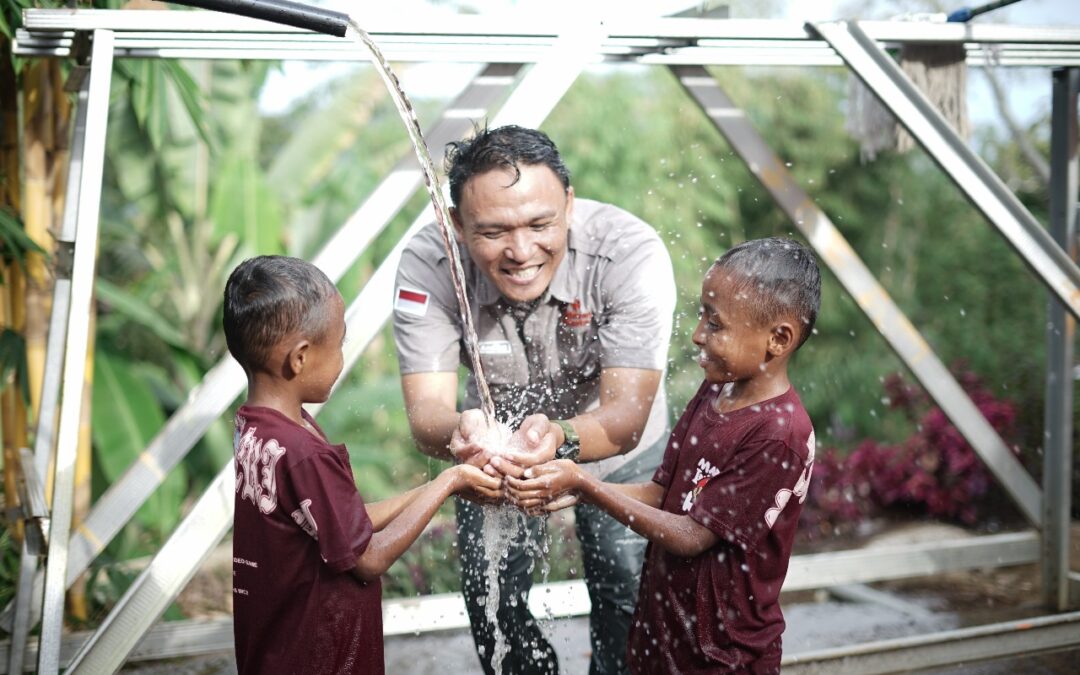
801,486
255,462
575,316
704,473
411,301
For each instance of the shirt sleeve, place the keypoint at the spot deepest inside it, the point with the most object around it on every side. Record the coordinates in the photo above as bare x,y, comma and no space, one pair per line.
331,510
427,331
741,503
639,292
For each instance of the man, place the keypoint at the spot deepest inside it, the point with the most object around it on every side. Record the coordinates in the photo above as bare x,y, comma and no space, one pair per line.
572,302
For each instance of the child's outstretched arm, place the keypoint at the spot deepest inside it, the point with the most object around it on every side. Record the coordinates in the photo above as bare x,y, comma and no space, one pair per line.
384,511
406,517
637,505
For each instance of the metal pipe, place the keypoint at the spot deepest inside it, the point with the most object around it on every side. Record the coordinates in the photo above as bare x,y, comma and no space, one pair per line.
284,12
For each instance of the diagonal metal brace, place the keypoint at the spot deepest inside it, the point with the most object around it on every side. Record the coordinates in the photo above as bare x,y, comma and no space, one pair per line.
880,73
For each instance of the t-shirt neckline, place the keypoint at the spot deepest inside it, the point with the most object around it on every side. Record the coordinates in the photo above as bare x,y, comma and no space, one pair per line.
714,415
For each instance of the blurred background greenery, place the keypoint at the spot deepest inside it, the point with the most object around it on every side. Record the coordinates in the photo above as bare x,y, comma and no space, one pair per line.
198,177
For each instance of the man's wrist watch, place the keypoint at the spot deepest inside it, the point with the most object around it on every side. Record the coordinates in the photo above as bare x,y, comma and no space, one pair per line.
571,447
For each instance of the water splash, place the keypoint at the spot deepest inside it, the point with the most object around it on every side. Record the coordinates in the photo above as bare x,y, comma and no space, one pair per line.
442,215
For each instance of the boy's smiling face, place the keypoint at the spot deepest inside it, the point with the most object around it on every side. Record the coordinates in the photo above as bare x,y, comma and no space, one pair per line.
734,346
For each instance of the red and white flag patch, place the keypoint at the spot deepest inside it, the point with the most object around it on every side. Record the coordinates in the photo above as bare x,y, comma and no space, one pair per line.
411,301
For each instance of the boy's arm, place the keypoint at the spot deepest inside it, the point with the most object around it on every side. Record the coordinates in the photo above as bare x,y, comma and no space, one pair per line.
637,506
403,528
382,512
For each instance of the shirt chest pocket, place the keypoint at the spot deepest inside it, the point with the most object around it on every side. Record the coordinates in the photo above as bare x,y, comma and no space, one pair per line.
578,351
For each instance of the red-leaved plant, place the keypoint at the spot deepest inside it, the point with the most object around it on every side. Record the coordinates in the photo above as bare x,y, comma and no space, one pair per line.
934,471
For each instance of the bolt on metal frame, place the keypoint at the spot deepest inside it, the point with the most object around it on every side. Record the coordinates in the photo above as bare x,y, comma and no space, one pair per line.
667,41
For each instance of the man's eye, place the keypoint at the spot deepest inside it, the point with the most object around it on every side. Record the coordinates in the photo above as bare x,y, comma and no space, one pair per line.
539,227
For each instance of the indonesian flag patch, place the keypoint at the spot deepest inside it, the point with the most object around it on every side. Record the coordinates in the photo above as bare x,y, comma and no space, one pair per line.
411,301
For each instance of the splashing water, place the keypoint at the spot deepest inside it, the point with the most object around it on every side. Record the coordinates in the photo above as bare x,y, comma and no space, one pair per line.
442,216
501,523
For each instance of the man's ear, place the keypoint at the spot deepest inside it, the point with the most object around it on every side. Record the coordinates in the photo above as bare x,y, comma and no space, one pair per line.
569,204
296,359
455,220
781,339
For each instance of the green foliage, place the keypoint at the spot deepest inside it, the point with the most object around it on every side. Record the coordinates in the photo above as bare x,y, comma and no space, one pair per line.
126,415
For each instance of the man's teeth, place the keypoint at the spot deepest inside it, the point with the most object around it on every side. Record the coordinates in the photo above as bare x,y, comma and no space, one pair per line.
524,273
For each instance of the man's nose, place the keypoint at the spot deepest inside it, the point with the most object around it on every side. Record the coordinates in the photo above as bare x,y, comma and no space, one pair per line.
520,246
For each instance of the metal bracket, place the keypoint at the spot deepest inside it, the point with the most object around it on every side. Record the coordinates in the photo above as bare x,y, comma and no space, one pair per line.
34,510
64,256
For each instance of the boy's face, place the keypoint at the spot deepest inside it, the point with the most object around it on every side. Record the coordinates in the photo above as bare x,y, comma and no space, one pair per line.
734,347
325,358
516,233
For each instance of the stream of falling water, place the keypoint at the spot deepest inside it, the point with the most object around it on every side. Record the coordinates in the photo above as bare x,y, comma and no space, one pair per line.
501,521
442,215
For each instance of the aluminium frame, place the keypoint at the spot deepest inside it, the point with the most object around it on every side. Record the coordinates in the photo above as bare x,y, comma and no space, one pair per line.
685,45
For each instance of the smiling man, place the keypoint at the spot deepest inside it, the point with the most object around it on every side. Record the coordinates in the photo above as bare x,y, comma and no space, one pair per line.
572,301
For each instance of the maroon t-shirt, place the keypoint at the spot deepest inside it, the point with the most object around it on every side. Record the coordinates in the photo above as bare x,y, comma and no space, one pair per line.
300,526
743,475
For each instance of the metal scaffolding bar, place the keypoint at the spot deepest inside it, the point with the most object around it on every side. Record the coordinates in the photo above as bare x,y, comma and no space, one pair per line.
948,648
880,73
26,604
860,283
668,41
1060,337
76,345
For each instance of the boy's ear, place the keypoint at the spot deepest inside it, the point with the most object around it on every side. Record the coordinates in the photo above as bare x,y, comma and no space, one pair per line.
782,339
297,357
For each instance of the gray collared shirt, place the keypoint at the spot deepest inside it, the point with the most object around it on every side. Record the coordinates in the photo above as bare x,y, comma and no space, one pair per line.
609,305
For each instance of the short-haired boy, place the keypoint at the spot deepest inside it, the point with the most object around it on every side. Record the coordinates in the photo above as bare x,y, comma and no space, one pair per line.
307,552
722,510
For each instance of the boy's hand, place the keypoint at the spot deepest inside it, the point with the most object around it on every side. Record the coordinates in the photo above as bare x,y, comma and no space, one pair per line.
473,482
533,443
543,484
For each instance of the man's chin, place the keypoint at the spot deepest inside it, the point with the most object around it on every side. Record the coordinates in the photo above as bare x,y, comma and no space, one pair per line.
515,293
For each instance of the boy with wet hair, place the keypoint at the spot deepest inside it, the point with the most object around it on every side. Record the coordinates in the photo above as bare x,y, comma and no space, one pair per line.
307,551
721,511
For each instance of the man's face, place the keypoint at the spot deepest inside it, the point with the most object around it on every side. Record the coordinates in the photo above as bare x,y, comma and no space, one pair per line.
516,232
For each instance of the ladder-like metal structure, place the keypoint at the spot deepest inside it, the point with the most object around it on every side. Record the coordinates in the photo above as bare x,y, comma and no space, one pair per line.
534,65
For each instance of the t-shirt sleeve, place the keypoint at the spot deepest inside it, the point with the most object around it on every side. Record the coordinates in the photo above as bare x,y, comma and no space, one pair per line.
741,503
640,293
427,332
331,510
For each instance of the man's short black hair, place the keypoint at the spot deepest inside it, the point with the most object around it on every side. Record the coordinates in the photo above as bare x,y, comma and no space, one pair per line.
780,278
269,298
500,148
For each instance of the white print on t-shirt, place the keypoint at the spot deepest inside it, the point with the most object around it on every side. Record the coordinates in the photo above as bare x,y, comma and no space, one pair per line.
801,486
255,461
705,472
304,519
